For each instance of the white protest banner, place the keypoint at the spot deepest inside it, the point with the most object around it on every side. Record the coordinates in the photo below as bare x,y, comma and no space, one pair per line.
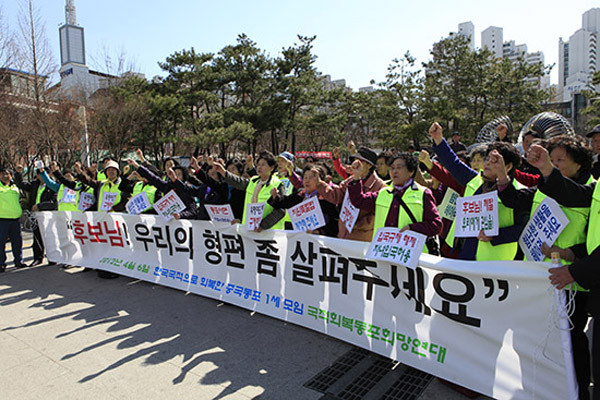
348,213
138,204
168,205
545,225
86,200
307,215
254,214
39,164
448,207
491,326
69,196
389,244
108,201
219,212
476,213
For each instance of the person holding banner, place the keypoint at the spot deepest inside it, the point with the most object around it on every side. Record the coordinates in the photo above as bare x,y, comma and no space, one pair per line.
483,247
258,189
67,182
206,174
176,181
371,182
405,204
573,157
10,224
313,174
584,269
40,198
108,193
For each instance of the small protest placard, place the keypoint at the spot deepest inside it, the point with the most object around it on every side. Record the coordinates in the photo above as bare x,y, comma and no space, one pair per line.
307,215
448,207
86,200
348,213
138,204
254,214
108,201
69,196
477,213
219,212
39,164
168,205
389,244
545,225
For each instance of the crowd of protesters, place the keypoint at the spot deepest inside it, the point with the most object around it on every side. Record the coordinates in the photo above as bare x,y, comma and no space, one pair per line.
391,189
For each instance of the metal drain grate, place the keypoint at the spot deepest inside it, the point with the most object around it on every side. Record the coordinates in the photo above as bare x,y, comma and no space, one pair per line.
409,386
367,381
362,375
324,379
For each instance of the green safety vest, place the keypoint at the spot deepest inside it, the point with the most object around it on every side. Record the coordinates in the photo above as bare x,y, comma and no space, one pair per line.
62,206
572,234
413,197
101,176
108,187
289,188
10,207
89,190
150,190
263,196
485,250
40,191
593,237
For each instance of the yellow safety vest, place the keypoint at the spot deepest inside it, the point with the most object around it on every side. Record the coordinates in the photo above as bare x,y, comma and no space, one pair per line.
62,206
263,196
572,234
150,190
10,207
40,191
413,197
109,187
485,250
593,237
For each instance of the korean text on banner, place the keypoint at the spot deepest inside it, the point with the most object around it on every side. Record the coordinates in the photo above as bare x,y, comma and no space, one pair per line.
254,214
389,244
307,215
86,200
348,213
69,196
486,325
138,204
545,225
108,201
447,208
219,212
168,205
477,213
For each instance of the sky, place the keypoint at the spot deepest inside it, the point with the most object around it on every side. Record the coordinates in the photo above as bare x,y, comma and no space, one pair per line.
356,40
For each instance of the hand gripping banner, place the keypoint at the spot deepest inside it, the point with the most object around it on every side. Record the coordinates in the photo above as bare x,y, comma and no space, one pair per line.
490,326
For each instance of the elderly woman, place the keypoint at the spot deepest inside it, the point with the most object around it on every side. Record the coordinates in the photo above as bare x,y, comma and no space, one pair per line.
573,158
258,189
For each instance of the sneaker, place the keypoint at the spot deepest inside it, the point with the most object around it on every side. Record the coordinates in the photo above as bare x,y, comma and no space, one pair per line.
20,265
51,263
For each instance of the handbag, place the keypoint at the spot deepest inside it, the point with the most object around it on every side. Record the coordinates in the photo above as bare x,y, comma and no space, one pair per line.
431,242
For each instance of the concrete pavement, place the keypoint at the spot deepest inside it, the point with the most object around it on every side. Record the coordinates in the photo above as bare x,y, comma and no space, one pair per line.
66,334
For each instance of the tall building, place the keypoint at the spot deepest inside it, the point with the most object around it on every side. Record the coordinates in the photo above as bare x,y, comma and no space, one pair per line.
578,58
76,79
493,39
467,29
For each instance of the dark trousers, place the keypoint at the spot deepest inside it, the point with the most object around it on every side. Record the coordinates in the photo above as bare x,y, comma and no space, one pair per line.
38,244
11,229
580,343
596,358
